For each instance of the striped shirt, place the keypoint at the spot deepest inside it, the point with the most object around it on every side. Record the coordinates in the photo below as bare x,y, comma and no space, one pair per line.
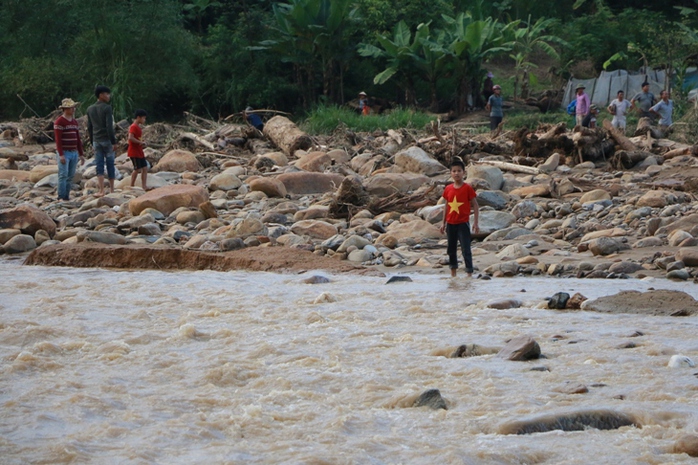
67,135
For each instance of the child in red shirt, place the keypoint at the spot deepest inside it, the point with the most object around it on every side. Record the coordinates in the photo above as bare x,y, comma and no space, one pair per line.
135,149
460,199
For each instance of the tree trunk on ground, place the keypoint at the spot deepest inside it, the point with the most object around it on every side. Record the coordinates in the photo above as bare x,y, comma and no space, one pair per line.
620,139
286,135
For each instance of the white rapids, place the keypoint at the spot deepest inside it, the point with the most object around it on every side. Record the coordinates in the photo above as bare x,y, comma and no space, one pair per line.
103,366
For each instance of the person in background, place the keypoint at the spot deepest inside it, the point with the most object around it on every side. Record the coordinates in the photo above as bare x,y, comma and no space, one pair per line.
100,125
69,149
618,108
583,104
643,101
135,149
664,109
488,87
460,199
364,107
253,118
589,120
494,106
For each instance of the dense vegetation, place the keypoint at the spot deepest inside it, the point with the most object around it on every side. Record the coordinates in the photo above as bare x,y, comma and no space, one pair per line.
216,57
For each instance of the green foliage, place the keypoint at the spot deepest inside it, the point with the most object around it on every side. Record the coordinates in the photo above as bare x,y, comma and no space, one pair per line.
325,119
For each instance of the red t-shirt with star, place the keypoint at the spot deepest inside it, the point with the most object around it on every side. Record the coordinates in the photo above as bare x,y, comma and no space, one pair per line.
458,203
135,150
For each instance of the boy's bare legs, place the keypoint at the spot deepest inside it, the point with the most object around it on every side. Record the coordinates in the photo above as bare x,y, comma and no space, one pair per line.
111,186
134,175
453,272
144,178
100,180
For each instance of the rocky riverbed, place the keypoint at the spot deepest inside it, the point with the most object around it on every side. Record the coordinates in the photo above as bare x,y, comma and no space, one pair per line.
368,200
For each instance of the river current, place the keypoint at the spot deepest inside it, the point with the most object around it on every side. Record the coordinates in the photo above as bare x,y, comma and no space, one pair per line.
153,367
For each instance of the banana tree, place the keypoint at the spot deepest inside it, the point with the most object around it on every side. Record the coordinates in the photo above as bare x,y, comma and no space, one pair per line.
400,53
525,41
471,43
313,35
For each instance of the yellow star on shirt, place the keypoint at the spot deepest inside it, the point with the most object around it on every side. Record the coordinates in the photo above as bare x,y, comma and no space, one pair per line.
455,205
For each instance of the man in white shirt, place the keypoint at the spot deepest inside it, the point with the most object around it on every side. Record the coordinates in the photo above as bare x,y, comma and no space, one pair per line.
618,108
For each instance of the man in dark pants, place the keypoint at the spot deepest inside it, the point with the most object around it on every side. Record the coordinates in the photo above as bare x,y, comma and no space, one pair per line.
100,126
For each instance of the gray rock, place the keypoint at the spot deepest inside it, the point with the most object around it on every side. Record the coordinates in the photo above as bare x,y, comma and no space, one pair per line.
679,275
359,256
503,304
625,267
19,244
102,237
558,301
576,421
605,246
150,229
490,174
399,279
492,199
432,399
524,209
233,243
316,279
675,265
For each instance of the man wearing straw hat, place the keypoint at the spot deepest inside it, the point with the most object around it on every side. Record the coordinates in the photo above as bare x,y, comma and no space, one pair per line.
68,147
583,104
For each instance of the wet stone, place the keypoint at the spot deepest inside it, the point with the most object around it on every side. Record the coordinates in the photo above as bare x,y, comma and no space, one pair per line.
316,279
432,399
399,279
558,301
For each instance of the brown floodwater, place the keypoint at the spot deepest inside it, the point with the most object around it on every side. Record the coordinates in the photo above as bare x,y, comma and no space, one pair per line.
153,367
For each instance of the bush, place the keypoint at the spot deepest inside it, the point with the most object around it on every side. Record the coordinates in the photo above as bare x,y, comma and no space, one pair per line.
325,119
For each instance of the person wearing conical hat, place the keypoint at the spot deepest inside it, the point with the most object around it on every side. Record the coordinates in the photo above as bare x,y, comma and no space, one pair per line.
69,148
583,104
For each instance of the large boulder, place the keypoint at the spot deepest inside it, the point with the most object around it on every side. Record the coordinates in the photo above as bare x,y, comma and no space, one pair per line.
415,229
686,223
605,246
310,183
28,219
492,175
224,182
178,161
270,186
491,221
16,175
39,172
314,161
314,228
169,198
416,160
385,184
20,244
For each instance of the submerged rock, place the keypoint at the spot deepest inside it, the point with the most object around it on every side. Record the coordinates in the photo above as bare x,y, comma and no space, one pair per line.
432,399
577,421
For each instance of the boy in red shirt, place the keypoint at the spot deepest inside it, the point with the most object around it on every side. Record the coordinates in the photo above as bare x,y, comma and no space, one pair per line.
135,149
460,199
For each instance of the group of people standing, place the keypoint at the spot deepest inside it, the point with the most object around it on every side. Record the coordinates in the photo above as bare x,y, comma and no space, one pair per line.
100,128
644,102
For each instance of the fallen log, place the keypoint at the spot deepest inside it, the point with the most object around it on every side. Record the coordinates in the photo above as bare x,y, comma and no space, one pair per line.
624,159
678,152
286,135
644,126
502,165
198,139
622,141
404,203
14,156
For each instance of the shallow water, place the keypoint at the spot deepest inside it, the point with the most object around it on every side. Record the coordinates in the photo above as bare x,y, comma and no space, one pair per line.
249,368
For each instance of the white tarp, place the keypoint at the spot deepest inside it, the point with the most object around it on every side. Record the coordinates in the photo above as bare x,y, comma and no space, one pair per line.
604,89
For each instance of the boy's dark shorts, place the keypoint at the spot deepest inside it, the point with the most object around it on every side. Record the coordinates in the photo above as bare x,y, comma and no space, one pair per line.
139,163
